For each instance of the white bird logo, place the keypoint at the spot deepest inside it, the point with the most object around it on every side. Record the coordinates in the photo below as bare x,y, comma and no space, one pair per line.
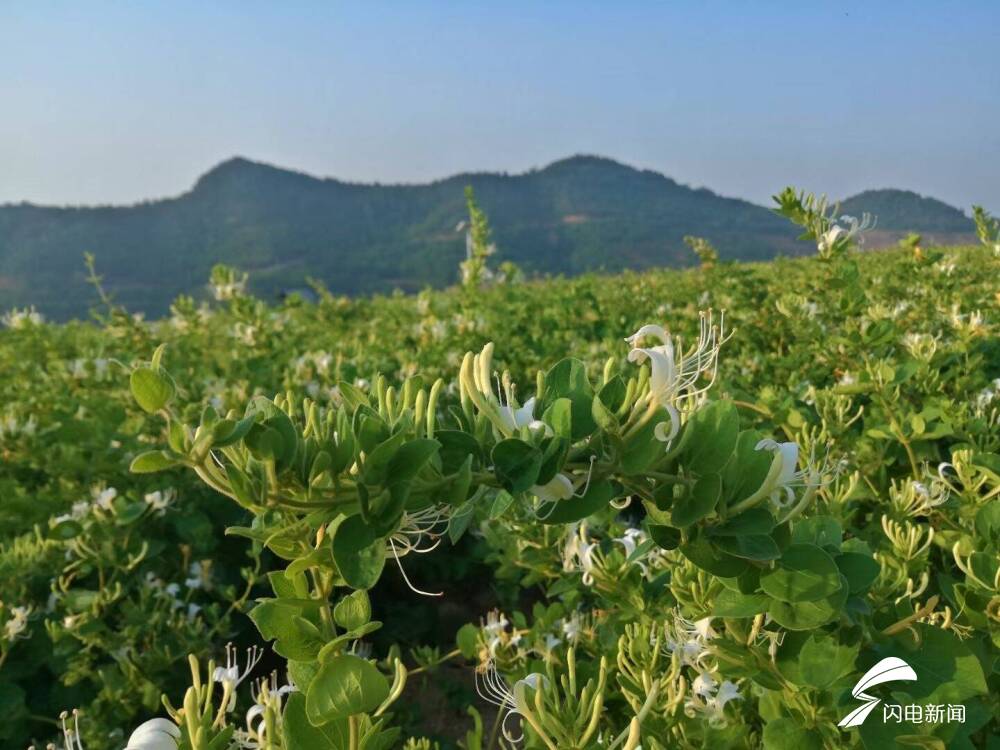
888,670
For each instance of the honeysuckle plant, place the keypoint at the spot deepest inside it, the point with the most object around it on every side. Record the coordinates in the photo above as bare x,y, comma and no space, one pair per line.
861,392
331,490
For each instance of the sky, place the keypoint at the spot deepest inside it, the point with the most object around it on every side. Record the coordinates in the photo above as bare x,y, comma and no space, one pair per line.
118,102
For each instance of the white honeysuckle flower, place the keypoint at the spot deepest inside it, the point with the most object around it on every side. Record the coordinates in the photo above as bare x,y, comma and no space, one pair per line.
199,575
579,552
524,416
104,497
704,685
728,691
674,371
268,694
71,735
249,739
986,396
155,734
788,477
829,238
424,527
476,379
572,627
855,230
631,540
560,487
703,629
495,629
159,500
231,675
22,318
712,707
77,511
492,688
14,628
689,639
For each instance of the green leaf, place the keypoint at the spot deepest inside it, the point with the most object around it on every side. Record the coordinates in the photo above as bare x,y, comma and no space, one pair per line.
703,553
643,449
698,502
516,464
859,570
666,537
823,661
501,503
265,443
729,603
988,524
947,668
747,468
284,622
227,432
554,452
804,573
353,611
352,395
811,614
243,487
822,531
456,448
151,389
411,457
568,379
784,733
300,734
759,547
467,640
754,521
559,416
715,430
598,495
459,521
376,466
359,554
344,686
67,529
151,462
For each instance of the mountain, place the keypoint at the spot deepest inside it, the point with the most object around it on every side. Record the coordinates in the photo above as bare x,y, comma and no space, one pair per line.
906,211
579,214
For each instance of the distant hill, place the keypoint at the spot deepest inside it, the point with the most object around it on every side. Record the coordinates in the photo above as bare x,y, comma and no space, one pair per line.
579,214
906,211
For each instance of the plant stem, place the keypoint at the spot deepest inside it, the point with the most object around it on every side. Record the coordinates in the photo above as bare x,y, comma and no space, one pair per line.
352,724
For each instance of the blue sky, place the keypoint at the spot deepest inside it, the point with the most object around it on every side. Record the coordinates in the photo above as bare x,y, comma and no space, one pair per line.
115,102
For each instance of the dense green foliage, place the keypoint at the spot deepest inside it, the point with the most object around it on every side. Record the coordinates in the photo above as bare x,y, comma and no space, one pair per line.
881,367
576,215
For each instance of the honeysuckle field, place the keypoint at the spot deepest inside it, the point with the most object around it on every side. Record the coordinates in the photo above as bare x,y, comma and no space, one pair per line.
675,509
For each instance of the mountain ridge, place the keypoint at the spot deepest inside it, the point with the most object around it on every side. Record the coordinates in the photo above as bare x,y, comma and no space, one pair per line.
573,215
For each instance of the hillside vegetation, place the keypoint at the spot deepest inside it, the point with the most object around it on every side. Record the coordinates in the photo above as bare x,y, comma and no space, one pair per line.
576,215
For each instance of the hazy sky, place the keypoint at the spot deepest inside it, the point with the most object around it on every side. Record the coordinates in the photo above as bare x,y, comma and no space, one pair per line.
116,102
